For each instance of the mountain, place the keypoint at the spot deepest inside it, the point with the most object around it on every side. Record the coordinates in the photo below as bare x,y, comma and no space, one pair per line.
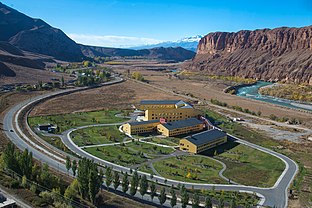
189,43
174,54
281,54
36,36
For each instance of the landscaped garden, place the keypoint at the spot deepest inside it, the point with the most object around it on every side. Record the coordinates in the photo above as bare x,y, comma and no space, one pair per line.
129,154
97,135
67,121
252,167
164,141
198,169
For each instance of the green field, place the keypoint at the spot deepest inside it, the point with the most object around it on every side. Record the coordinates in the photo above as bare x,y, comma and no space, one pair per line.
67,121
129,154
240,130
198,169
248,166
163,141
146,169
97,135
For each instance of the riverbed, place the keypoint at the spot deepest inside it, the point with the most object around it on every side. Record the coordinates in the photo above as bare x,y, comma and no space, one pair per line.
252,93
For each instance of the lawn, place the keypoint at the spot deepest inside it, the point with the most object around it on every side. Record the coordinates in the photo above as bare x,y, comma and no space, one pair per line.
240,130
163,141
197,169
248,166
129,154
145,168
67,121
97,135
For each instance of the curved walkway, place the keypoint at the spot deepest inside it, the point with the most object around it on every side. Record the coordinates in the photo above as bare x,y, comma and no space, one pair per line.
274,196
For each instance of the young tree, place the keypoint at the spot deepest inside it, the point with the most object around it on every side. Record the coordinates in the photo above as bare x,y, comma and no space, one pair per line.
143,185
136,179
74,167
116,180
233,203
62,81
184,198
68,163
208,202
195,201
162,196
173,200
133,187
108,177
153,190
221,202
94,182
125,183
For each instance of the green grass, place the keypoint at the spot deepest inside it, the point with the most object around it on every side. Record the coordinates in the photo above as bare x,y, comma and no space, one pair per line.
163,141
241,131
129,154
248,166
67,121
97,135
145,168
198,169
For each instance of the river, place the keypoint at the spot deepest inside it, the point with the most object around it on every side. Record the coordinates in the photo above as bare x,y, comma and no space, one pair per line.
252,93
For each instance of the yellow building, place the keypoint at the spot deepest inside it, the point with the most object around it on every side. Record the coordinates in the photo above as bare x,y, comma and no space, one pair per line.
158,104
180,127
140,127
171,110
203,141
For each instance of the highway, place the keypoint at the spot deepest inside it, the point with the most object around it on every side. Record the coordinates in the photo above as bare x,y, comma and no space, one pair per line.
275,196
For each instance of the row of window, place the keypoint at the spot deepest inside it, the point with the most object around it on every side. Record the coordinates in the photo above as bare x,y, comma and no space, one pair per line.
166,114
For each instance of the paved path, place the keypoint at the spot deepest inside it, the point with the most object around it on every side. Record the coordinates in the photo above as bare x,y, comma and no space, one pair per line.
274,196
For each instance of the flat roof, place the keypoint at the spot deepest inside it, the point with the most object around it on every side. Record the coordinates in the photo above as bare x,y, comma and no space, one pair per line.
205,137
135,123
182,123
159,102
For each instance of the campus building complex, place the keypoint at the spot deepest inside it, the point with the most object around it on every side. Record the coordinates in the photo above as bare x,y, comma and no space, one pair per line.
202,141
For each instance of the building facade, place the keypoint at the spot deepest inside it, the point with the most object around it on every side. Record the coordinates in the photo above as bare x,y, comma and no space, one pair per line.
140,127
203,141
180,127
171,110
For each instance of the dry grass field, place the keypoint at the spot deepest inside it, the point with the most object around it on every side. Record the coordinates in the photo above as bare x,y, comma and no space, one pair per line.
120,96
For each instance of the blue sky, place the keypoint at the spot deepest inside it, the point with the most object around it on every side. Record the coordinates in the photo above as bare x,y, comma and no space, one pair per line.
123,23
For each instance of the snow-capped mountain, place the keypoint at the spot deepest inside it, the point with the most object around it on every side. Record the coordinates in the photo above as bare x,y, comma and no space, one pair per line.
189,43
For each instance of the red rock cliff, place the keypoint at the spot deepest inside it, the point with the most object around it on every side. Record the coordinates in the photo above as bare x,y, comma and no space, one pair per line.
281,54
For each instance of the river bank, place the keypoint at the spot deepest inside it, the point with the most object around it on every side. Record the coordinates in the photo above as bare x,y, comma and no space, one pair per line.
252,92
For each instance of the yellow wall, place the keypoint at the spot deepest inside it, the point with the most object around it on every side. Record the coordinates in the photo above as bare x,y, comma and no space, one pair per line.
156,106
186,145
164,131
171,114
139,129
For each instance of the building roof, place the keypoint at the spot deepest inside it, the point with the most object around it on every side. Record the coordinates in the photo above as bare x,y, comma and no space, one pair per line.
135,123
182,123
205,137
159,102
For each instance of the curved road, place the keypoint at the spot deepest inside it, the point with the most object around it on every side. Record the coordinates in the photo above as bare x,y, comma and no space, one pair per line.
275,196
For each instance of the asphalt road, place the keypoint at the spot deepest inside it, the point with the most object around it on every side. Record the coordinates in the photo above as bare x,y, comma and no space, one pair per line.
275,196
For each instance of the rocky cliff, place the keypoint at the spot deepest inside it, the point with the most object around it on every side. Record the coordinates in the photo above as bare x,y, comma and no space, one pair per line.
281,54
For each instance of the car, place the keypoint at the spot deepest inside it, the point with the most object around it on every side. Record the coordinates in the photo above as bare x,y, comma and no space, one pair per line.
11,130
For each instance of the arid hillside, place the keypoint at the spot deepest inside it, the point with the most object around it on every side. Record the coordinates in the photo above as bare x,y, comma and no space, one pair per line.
281,54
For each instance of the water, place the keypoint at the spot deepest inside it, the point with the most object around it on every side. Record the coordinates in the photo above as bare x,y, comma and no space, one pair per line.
252,93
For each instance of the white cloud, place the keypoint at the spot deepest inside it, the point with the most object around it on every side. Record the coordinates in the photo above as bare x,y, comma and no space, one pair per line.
112,41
